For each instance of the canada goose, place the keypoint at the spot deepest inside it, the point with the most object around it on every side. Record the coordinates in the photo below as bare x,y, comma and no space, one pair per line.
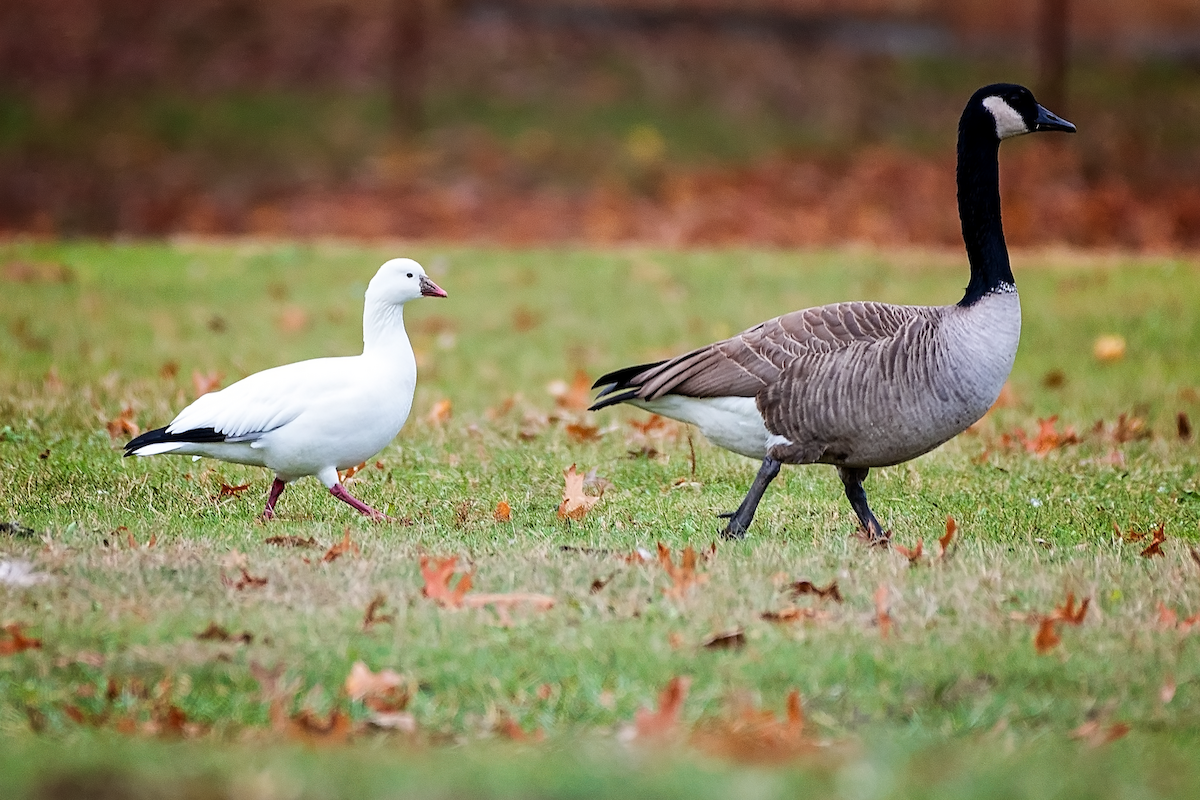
862,384
312,417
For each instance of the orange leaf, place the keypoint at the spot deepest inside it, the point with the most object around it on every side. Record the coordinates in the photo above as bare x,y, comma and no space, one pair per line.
948,537
830,592
440,413
503,512
247,581
1095,733
1047,637
307,726
882,617
203,384
16,641
683,577
662,723
575,397
575,504
290,541
1068,613
509,729
756,736
437,573
913,555
341,548
123,425
386,690
373,615
231,491
347,474
1155,548
582,432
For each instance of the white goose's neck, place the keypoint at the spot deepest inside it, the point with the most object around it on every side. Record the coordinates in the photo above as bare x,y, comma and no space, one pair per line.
383,330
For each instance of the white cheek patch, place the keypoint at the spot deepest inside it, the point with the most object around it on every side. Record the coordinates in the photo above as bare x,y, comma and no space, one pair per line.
1008,121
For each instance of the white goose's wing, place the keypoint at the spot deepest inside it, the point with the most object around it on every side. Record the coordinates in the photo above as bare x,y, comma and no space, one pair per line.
264,401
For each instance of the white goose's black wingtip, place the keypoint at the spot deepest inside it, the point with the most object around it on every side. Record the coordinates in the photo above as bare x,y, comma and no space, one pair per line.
163,436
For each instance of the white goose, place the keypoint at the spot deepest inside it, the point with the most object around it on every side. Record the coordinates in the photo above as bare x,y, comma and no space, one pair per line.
861,385
312,417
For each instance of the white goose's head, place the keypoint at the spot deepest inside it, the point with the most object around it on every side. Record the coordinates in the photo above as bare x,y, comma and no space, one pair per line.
400,280
1010,110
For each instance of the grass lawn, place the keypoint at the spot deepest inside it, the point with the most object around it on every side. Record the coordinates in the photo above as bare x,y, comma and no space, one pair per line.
946,696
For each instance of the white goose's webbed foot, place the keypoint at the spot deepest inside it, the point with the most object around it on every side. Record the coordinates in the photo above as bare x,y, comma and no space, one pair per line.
739,521
339,491
852,479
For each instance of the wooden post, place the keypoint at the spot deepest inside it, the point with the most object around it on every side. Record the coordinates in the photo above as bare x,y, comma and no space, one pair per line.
407,64
1053,50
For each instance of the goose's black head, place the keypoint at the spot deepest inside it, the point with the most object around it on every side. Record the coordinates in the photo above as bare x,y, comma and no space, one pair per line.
1006,110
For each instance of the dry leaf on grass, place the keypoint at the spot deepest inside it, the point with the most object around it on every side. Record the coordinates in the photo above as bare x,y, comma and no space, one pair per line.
882,618
727,640
374,615
1168,619
204,383
1095,733
503,512
582,432
662,724
231,491
1047,638
576,396
683,577
341,548
946,539
437,573
122,426
793,614
829,592
507,727
15,641
246,581
913,555
1109,347
575,503
385,691
1158,536
216,633
291,541
757,736
440,413
349,473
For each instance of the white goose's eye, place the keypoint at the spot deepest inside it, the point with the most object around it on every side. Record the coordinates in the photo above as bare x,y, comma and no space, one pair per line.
410,274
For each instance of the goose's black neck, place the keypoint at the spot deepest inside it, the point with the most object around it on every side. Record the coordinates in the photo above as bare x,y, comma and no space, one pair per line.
979,206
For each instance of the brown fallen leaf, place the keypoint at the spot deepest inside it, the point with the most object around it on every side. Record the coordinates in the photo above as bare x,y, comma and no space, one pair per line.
350,472
386,691
1195,554
372,616
1068,613
508,727
1158,537
1166,692
913,555
947,538
503,512
341,548
15,641
437,573
247,581
582,432
231,491
440,413
882,618
793,614
504,601
829,592
291,541
663,723
756,736
683,577
1183,426
727,640
292,319
1046,638
122,426
216,633
1095,733
307,726
1109,347
576,396
205,383
575,503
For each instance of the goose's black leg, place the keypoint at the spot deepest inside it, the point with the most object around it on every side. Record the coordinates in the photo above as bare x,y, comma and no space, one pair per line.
852,478
739,521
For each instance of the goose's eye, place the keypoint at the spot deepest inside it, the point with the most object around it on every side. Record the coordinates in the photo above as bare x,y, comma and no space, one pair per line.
410,274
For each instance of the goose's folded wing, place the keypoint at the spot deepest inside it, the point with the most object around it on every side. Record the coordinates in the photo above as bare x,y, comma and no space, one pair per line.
743,365
264,401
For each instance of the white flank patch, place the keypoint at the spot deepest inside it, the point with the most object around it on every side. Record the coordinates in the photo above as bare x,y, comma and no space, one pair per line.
20,573
1008,121
730,422
155,449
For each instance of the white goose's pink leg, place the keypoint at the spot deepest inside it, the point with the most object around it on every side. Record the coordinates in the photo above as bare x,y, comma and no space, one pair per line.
276,489
339,491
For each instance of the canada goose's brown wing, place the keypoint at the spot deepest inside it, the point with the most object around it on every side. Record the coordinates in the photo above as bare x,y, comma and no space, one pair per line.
744,365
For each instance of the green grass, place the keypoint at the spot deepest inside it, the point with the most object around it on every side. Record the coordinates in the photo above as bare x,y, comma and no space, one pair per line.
954,703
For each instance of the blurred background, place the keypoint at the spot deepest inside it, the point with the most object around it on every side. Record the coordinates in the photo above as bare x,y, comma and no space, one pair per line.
670,122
